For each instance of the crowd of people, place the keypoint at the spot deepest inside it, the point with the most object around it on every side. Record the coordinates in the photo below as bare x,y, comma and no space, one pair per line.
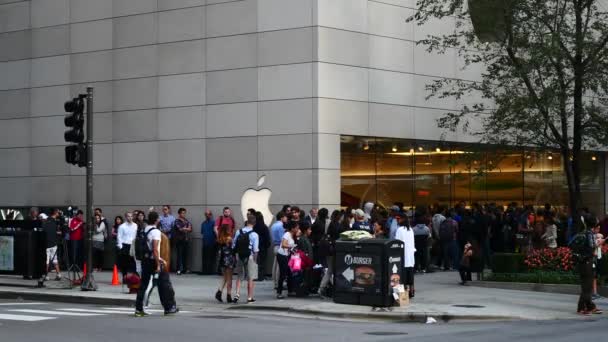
302,246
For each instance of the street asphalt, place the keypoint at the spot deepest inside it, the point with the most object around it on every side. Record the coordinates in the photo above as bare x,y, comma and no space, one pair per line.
64,322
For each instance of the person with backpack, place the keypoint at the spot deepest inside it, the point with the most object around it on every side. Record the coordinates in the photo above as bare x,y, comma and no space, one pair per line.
422,234
448,233
583,246
154,273
246,245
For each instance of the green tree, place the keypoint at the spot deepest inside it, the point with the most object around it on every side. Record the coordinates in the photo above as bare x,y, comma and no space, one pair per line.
545,79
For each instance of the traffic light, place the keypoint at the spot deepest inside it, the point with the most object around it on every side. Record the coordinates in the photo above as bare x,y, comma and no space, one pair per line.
76,155
76,152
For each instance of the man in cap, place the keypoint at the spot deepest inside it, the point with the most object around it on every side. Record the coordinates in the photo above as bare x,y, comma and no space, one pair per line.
50,229
393,221
360,222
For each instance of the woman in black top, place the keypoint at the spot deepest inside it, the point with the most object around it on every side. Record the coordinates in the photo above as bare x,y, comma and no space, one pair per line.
319,229
327,250
264,234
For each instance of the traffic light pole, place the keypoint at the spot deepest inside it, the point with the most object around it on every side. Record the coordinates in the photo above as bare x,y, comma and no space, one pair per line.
88,284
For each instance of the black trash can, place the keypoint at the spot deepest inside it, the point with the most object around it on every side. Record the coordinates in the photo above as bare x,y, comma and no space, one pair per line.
28,254
367,270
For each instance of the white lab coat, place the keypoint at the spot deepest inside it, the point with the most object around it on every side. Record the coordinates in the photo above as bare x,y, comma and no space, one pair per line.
407,236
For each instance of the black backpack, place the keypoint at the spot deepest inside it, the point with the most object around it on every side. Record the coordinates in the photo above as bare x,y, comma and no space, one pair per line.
142,251
447,229
582,247
242,245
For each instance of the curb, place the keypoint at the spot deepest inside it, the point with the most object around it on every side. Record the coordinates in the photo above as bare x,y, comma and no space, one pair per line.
73,299
412,317
567,289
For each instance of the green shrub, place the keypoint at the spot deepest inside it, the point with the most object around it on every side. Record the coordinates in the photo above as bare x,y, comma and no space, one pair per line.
538,277
508,263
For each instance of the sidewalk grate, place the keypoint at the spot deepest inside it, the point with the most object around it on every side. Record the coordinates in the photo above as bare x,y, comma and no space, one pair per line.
219,317
468,306
385,333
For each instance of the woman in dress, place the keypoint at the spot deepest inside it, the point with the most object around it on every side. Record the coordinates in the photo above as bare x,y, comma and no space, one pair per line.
227,262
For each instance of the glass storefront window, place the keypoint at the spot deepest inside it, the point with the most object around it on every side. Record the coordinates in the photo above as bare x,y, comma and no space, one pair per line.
422,173
358,164
504,177
394,172
432,174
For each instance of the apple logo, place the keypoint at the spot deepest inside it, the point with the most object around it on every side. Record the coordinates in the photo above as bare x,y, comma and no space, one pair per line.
257,199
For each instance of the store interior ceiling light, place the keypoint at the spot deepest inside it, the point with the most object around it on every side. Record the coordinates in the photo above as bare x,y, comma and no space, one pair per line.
411,153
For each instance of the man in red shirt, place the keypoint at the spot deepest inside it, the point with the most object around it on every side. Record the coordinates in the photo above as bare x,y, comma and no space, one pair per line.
226,218
76,238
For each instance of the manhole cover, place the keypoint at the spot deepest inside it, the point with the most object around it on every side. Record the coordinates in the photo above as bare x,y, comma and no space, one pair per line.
219,317
468,306
385,333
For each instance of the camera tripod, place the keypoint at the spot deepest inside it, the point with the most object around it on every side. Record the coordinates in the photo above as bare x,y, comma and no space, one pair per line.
74,273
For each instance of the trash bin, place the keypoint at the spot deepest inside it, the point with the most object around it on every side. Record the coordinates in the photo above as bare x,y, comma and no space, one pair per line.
367,270
23,249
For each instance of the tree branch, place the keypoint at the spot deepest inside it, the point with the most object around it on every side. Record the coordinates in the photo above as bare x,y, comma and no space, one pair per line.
603,44
517,63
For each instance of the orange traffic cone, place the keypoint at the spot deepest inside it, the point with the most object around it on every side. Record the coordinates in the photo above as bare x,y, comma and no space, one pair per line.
115,281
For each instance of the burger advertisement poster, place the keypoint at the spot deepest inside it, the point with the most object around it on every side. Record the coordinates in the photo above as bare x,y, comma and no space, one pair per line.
360,274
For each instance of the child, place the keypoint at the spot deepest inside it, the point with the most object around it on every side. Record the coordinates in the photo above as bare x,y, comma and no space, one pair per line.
465,263
599,241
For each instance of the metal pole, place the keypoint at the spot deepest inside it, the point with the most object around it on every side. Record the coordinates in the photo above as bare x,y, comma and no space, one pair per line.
88,284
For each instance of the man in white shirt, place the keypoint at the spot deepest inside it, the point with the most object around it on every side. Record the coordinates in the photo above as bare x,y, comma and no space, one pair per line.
124,238
154,272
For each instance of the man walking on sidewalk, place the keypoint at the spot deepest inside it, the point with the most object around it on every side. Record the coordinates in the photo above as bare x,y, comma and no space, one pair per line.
247,246
153,269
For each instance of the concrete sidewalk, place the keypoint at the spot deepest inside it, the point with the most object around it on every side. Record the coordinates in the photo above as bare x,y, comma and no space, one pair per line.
438,295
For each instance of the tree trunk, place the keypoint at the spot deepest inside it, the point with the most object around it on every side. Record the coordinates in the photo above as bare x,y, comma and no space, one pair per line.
574,190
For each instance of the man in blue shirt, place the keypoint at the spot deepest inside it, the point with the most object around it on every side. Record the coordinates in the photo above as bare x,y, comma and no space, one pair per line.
209,243
247,267
166,221
276,232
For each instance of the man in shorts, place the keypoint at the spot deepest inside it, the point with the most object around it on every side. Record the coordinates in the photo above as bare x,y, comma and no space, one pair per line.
246,267
50,229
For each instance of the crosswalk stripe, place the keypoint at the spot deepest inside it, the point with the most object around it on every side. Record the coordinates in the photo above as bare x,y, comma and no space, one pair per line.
98,311
133,310
53,312
25,318
21,303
